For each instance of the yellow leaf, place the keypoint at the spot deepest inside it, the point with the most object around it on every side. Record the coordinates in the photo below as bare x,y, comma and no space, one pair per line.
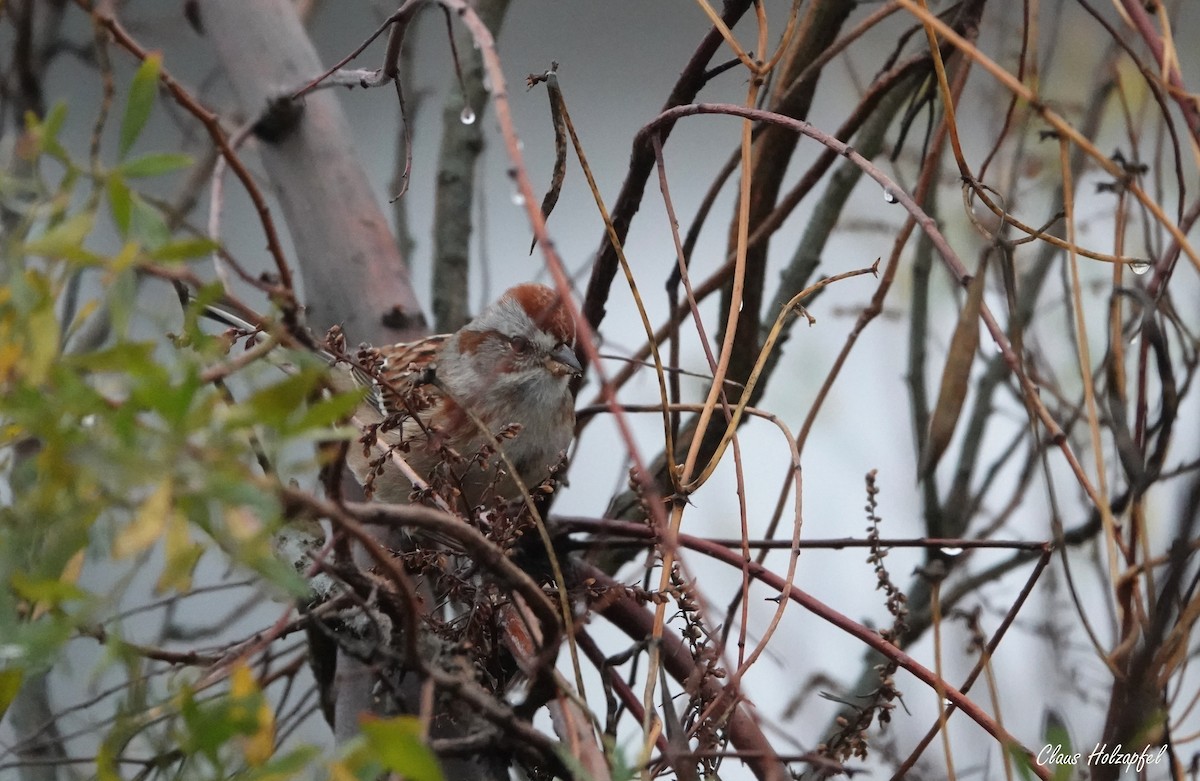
339,772
260,745
86,310
1132,82
72,570
182,555
243,524
10,356
956,375
241,682
70,574
147,525
106,763
42,338
10,684
126,257
64,238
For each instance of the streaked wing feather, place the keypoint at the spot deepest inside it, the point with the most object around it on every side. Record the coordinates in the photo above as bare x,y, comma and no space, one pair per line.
401,367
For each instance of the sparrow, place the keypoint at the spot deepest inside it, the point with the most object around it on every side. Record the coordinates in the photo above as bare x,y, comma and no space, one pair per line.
447,403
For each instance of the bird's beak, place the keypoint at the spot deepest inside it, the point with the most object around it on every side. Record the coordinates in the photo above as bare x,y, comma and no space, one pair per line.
563,361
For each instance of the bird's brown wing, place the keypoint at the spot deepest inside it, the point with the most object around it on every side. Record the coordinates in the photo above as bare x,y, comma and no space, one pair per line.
399,368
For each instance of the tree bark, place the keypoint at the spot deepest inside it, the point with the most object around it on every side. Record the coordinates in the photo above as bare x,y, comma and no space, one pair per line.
350,263
352,269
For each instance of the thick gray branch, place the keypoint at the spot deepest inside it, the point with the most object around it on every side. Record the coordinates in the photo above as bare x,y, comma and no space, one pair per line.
462,143
352,270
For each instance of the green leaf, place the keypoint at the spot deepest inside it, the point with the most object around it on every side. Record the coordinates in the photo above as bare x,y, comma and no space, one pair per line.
155,164
142,92
54,121
212,724
120,293
147,226
43,344
275,404
171,400
43,133
185,249
120,202
34,646
282,768
49,591
329,411
1055,734
64,240
355,761
50,129
397,743
1022,761
123,357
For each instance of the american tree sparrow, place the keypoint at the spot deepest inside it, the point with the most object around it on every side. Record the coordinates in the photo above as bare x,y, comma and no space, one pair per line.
508,369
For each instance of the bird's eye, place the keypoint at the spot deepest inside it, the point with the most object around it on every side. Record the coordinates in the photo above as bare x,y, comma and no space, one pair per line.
519,344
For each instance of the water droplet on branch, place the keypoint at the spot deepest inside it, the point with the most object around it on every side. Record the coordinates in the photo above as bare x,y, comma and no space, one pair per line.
467,117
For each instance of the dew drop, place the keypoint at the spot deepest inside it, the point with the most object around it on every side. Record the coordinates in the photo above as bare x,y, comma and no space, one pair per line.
517,198
467,117
1139,267
952,550
890,197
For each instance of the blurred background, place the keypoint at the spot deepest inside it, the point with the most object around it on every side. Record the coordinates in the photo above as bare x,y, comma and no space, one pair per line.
616,63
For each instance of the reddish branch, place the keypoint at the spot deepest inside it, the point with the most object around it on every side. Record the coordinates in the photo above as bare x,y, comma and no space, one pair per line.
725,552
1136,9
638,623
